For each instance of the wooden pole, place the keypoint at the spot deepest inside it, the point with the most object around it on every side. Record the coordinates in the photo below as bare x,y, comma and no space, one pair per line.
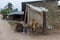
44,31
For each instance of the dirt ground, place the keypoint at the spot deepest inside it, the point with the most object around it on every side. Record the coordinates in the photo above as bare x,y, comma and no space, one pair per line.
7,33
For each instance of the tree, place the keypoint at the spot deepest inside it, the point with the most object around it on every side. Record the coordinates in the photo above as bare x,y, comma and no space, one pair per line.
15,10
9,6
4,11
8,9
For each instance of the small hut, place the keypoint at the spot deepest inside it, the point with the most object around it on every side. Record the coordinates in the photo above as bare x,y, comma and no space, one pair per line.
38,13
15,16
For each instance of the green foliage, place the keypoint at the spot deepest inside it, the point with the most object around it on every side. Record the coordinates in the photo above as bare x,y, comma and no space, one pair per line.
4,11
8,9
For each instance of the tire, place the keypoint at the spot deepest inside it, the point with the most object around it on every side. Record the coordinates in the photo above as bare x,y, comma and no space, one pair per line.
19,28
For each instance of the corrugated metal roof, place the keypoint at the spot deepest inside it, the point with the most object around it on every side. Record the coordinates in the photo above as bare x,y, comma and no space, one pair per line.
19,13
39,9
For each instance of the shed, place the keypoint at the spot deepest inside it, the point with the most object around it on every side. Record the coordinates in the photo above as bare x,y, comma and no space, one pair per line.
37,13
15,16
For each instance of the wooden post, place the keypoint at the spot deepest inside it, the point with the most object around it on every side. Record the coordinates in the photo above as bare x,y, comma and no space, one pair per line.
44,31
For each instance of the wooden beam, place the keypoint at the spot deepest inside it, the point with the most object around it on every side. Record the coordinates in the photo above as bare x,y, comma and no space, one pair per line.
44,31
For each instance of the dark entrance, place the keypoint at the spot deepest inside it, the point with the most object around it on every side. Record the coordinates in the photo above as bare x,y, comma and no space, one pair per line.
16,17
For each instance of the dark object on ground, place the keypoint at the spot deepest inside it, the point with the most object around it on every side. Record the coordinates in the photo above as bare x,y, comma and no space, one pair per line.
4,16
19,28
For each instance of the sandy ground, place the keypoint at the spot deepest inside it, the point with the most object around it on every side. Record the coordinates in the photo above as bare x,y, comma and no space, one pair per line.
7,33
